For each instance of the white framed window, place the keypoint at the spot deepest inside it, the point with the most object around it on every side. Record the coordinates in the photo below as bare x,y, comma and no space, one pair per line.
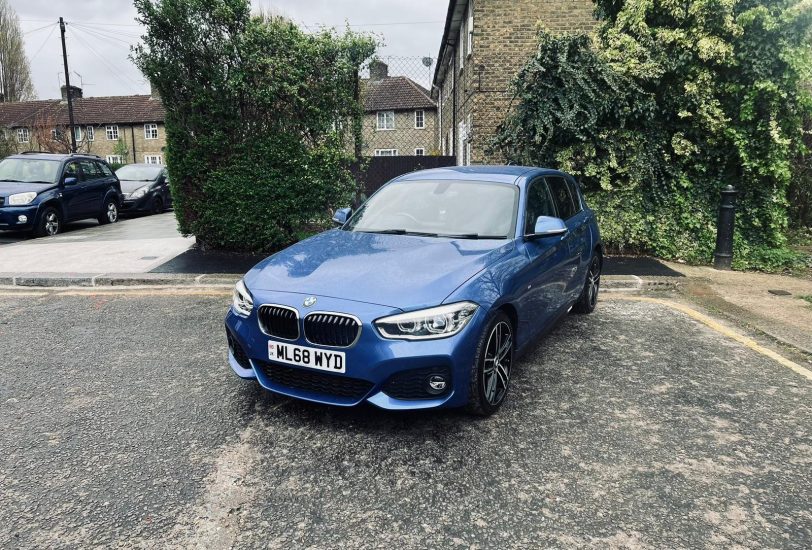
77,133
115,159
23,135
470,36
386,120
150,131
91,133
153,159
112,132
461,45
420,119
56,133
420,152
386,152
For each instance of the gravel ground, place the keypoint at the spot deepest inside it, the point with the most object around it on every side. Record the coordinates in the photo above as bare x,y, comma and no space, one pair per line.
122,426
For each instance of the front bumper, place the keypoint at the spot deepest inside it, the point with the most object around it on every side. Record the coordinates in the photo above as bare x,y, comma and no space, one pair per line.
375,366
9,217
136,205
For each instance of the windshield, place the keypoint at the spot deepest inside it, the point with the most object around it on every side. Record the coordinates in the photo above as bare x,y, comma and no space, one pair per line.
29,170
475,210
134,172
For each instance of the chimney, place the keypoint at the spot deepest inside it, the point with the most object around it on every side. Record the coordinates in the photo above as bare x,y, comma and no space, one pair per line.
153,93
75,93
378,70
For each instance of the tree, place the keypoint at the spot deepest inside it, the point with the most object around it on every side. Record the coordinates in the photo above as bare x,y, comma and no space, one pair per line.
683,98
15,73
254,111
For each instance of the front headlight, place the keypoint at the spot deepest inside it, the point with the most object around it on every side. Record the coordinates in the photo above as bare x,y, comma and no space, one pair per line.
140,192
21,199
243,302
427,324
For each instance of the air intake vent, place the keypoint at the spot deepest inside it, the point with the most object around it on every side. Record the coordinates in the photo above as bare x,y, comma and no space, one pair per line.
332,329
279,322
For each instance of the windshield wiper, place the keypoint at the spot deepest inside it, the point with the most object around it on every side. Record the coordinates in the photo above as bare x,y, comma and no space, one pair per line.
475,236
402,232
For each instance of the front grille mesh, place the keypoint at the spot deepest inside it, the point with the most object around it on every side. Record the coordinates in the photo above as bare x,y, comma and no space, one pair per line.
331,329
315,381
279,322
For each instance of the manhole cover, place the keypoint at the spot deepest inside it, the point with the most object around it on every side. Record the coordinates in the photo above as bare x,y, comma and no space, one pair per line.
780,292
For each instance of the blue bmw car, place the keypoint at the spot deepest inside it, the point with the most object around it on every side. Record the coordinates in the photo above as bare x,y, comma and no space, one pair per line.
424,297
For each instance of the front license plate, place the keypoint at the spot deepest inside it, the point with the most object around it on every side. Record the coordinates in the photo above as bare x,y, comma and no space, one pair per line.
331,361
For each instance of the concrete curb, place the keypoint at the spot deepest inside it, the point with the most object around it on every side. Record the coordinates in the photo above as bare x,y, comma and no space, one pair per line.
90,280
610,283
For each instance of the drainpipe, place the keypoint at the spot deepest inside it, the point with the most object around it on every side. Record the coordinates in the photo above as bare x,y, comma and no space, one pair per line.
132,134
454,83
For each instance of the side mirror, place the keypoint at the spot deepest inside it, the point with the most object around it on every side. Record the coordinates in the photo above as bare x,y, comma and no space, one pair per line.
70,181
341,216
547,226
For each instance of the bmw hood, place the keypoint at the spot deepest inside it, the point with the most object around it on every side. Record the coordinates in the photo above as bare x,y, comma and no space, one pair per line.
397,271
12,188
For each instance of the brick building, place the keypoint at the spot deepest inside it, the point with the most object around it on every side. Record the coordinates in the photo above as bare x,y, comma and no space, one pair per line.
485,44
400,117
121,129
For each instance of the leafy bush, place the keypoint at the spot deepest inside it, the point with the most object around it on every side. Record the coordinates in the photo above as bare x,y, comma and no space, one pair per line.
669,103
256,112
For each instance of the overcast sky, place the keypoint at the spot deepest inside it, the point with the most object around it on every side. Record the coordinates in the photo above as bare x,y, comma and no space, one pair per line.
100,33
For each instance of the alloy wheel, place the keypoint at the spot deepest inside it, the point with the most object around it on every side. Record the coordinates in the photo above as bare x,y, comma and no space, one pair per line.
112,212
51,223
498,359
594,282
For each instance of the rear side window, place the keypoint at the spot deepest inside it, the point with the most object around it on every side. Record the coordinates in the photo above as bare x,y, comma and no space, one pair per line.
90,171
563,197
539,203
104,169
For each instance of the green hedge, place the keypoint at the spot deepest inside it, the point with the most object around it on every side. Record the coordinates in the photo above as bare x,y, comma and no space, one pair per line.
662,108
258,119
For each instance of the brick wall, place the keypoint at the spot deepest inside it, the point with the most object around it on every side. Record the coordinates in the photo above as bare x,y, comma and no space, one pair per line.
504,39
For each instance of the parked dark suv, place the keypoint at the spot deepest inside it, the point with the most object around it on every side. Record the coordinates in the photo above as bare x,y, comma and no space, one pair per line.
43,191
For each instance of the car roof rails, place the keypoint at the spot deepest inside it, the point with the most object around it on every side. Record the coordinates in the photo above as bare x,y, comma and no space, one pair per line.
85,155
32,153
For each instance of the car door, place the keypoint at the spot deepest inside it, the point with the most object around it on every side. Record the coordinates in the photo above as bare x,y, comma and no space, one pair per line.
542,279
95,186
74,198
569,208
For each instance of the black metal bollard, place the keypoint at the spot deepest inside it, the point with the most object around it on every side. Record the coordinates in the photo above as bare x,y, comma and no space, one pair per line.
723,258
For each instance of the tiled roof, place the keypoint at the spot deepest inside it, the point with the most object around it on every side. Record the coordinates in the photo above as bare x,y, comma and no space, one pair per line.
130,109
395,93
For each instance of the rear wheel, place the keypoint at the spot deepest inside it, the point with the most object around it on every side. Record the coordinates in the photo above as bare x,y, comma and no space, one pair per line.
157,206
110,212
49,224
490,374
589,296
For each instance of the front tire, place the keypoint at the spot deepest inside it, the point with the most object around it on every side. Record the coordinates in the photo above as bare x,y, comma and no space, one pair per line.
49,224
589,296
156,206
109,213
490,373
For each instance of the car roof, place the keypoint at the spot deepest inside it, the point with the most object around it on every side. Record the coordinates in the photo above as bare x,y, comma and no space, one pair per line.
143,165
52,156
498,174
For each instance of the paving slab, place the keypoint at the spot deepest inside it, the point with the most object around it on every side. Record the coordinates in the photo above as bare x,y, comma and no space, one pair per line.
130,246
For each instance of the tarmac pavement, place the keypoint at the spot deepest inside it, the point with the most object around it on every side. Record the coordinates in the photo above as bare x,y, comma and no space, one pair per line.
121,425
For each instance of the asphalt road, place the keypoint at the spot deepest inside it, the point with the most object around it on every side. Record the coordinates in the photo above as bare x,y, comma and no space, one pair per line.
122,426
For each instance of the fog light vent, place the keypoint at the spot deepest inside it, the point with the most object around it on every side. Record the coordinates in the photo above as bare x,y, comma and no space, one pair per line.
437,384
425,383
22,219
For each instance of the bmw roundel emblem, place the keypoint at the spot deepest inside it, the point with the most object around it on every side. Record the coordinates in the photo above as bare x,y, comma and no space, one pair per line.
311,301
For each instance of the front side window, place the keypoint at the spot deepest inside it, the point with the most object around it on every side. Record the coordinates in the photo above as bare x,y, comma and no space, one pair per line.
72,170
112,133
28,170
150,131
386,152
386,120
153,159
420,119
539,203
562,197
91,133
454,209
23,135
90,170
